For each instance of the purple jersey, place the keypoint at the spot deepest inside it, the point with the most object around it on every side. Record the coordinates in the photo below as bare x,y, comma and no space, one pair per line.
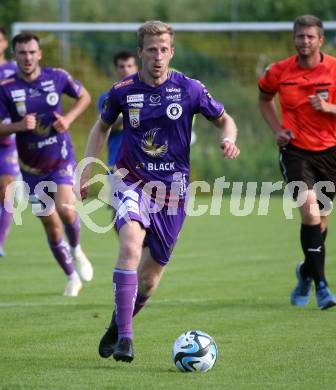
6,70
157,126
43,149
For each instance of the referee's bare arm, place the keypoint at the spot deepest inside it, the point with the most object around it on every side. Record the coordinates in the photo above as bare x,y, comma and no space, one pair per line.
269,113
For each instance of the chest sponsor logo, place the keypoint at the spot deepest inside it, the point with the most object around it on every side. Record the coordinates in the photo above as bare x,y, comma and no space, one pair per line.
34,93
135,98
157,167
49,88
134,117
135,105
52,98
323,93
47,142
176,97
47,82
21,108
18,93
161,167
174,111
173,90
155,100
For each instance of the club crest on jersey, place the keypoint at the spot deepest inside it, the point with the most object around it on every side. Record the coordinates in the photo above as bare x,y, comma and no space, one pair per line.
268,67
21,108
323,93
134,117
174,111
52,98
149,146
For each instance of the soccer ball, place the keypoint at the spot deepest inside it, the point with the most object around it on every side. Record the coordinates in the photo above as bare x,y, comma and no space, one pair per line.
194,351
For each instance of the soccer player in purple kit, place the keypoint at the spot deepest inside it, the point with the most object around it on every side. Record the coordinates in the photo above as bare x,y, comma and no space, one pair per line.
32,100
9,167
158,106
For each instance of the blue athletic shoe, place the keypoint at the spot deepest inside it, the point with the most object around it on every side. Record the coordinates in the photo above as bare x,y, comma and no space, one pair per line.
2,252
301,293
324,297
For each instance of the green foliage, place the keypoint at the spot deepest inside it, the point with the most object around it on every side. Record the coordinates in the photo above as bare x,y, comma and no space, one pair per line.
10,11
228,64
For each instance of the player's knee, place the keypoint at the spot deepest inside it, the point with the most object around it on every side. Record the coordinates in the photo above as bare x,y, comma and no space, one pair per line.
130,251
67,215
310,219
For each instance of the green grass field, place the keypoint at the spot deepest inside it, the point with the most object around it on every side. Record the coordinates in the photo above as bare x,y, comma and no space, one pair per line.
229,276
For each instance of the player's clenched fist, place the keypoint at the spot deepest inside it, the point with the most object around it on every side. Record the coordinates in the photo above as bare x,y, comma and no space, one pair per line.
28,122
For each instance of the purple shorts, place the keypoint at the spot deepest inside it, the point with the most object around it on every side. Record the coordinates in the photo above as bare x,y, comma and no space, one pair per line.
9,164
162,228
62,175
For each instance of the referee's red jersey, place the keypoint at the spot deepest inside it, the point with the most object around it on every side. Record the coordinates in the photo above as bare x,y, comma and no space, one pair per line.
313,130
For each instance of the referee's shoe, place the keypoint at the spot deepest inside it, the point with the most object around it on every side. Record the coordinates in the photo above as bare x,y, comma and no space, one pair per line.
301,293
324,297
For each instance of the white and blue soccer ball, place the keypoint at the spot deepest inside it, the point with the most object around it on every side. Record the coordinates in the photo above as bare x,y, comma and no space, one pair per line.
194,351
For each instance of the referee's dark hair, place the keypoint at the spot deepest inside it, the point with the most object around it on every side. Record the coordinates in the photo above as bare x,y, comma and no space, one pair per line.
308,21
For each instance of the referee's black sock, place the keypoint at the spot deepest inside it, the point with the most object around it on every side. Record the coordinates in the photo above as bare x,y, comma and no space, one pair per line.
324,236
312,243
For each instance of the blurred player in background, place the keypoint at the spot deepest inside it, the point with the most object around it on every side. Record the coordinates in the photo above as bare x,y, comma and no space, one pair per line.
158,106
306,135
125,64
9,167
31,98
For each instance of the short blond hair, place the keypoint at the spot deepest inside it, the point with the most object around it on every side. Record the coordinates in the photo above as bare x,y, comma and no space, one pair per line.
154,27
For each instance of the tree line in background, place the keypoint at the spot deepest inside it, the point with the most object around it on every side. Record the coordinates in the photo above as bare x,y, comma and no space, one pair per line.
228,64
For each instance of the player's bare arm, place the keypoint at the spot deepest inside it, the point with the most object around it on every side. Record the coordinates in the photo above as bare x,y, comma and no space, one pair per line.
63,122
228,136
97,139
28,122
269,113
117,124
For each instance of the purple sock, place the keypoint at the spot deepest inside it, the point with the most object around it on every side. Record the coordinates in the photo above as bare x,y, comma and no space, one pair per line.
6,219
139,303
72,231
125,290
61,253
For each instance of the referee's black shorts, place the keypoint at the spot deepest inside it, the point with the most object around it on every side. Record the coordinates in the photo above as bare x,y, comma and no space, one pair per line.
309,167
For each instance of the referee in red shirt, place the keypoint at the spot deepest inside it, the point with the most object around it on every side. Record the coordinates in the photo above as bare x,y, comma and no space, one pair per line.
306,135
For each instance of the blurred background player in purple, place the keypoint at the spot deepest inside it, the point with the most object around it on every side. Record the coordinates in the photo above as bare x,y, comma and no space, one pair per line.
158,106
31,99
125,64
9,167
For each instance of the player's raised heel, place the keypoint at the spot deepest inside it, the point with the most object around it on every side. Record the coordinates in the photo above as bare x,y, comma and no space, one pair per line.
82,264
301,294
324,297
108,341
124,350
